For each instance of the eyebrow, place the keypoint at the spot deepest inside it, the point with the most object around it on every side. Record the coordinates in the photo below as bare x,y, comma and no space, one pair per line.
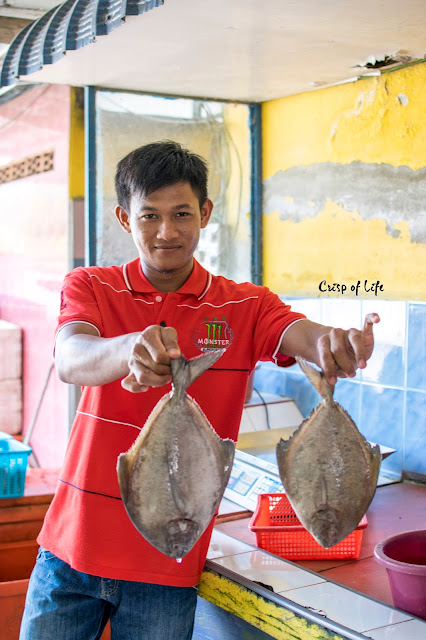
176,207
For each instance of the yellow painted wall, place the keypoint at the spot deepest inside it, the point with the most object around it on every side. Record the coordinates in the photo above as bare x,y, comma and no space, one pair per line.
76,148
372,121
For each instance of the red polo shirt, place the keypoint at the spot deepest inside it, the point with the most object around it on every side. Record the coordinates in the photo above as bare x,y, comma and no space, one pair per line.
86,524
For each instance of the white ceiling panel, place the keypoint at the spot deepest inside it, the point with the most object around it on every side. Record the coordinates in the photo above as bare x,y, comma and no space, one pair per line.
248,50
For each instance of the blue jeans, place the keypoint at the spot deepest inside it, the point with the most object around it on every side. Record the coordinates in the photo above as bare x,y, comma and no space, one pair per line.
64,604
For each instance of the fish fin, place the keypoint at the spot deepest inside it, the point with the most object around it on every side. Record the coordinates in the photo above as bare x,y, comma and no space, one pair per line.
317,379
281,451
228,451
282,448
184,372
376,460
123,472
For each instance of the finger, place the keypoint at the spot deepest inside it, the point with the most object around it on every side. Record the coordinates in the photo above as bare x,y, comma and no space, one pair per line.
370,320
152,339
357,342
140,358
368,338
129,383
326,360
148,375
170,341
342,351
142,382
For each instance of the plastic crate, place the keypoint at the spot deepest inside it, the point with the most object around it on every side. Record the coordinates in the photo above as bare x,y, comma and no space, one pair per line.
279,531
13,467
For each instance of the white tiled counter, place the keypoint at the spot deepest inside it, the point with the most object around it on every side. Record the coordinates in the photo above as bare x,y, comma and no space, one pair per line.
303,605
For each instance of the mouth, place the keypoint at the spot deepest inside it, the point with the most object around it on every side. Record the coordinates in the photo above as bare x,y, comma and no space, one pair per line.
168,247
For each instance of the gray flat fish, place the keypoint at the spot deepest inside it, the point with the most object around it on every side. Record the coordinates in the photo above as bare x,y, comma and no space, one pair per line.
173,477
328,469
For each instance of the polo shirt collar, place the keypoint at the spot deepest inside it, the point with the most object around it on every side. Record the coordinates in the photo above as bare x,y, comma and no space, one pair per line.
197,283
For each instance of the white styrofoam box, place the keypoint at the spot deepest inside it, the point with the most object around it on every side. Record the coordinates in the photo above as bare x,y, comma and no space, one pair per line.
280,413
11,406
10,350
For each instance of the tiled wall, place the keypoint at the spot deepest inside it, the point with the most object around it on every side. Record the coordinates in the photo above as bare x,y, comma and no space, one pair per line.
387,400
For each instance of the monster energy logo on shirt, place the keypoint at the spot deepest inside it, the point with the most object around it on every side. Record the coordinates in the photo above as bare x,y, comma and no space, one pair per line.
213,334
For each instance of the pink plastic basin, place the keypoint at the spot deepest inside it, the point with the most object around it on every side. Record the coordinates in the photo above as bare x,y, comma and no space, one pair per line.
404,557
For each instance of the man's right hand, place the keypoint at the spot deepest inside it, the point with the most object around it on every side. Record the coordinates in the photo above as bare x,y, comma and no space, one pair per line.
85,358
149,362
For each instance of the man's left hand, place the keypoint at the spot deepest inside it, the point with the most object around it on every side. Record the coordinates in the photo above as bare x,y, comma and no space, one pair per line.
341,352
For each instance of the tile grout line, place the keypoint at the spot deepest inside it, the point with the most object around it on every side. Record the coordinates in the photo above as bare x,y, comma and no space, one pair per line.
386,626
404,400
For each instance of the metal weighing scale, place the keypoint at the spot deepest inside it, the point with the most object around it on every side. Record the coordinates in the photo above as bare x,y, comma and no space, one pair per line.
249,477
255,469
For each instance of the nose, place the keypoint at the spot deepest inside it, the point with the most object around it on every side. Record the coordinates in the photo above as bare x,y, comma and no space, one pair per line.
167,230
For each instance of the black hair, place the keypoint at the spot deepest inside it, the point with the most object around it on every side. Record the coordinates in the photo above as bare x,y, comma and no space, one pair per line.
157,165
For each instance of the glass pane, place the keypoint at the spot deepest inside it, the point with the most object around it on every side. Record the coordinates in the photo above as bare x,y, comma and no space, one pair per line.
217,131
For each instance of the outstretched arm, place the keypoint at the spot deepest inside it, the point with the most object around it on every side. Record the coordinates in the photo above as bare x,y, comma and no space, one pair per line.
84,358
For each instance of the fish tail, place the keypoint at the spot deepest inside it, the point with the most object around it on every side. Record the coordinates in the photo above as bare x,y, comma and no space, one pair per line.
184,372
317,379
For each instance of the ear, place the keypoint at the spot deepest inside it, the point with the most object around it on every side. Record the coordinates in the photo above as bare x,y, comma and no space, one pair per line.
123,218
206,212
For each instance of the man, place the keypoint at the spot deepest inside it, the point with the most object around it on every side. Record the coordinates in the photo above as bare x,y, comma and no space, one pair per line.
118,330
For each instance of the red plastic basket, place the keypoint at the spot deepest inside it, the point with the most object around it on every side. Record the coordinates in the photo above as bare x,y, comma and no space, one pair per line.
279,531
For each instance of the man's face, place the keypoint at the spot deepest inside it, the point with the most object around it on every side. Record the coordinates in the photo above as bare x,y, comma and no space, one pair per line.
165,226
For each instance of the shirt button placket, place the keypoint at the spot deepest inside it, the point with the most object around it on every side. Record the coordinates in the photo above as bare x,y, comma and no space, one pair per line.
159,304
166,311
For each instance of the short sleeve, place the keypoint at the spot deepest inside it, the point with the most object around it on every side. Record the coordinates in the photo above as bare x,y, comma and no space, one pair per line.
78,301
273,318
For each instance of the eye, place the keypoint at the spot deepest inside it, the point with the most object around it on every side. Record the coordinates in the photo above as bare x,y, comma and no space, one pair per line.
183,214
148,216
